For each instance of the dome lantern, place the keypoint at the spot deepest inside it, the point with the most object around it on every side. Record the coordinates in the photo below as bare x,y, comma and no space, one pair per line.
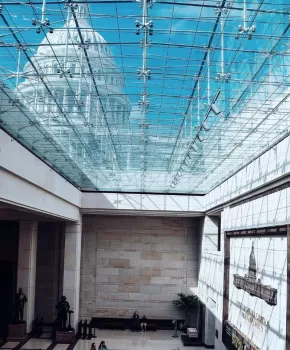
82,10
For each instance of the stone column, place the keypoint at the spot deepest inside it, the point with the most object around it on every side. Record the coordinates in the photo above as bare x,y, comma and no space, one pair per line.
209,327
26,276
72,263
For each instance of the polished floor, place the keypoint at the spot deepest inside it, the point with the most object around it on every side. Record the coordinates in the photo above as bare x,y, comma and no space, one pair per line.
10,345
115,340
61,347
37,344
127,340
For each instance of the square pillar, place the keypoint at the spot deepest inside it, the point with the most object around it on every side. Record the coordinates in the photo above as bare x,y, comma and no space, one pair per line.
26,276
210,242
72,265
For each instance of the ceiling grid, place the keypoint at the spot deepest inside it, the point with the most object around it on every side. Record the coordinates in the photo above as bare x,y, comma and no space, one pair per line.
200,91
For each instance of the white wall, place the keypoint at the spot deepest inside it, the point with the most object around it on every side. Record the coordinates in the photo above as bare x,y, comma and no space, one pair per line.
27,182
210,233
17,160
142,202
270,210
272,165
21,193
211,277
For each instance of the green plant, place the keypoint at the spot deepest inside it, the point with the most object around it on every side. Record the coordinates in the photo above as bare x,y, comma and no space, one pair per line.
186,303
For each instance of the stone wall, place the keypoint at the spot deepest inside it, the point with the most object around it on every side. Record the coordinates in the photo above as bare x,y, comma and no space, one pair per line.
137,263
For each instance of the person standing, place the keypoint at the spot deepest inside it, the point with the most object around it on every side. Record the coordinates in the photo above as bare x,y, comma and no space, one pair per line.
136,322
20,301
143,323
102,346
93,346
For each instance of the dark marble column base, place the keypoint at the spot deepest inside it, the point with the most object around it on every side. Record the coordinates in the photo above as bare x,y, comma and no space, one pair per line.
17,332
65,337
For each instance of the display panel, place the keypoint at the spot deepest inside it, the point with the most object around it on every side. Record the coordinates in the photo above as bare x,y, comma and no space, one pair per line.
258,290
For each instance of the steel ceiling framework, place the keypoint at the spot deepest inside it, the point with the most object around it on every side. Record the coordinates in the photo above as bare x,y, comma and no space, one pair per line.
207,82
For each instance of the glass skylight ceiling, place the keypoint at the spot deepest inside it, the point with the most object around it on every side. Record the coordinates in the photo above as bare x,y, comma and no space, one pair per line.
111,110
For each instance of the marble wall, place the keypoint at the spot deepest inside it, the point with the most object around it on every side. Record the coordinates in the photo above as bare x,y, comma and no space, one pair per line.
137,263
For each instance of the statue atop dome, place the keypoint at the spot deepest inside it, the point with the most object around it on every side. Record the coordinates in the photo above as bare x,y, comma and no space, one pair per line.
252,265
82,10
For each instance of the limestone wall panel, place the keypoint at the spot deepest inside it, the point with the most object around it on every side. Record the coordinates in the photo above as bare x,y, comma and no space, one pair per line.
137,263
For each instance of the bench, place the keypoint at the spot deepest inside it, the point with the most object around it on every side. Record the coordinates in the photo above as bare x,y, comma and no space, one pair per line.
126,323
151,326
113,325
108,323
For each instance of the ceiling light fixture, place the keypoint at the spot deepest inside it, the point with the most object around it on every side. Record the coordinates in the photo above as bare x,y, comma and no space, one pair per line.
215,108
205,125
194,147
200,137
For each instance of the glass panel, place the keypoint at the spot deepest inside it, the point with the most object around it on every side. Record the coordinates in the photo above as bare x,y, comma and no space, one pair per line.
178,111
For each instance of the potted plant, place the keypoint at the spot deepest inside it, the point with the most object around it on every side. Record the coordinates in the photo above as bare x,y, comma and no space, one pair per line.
186,303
